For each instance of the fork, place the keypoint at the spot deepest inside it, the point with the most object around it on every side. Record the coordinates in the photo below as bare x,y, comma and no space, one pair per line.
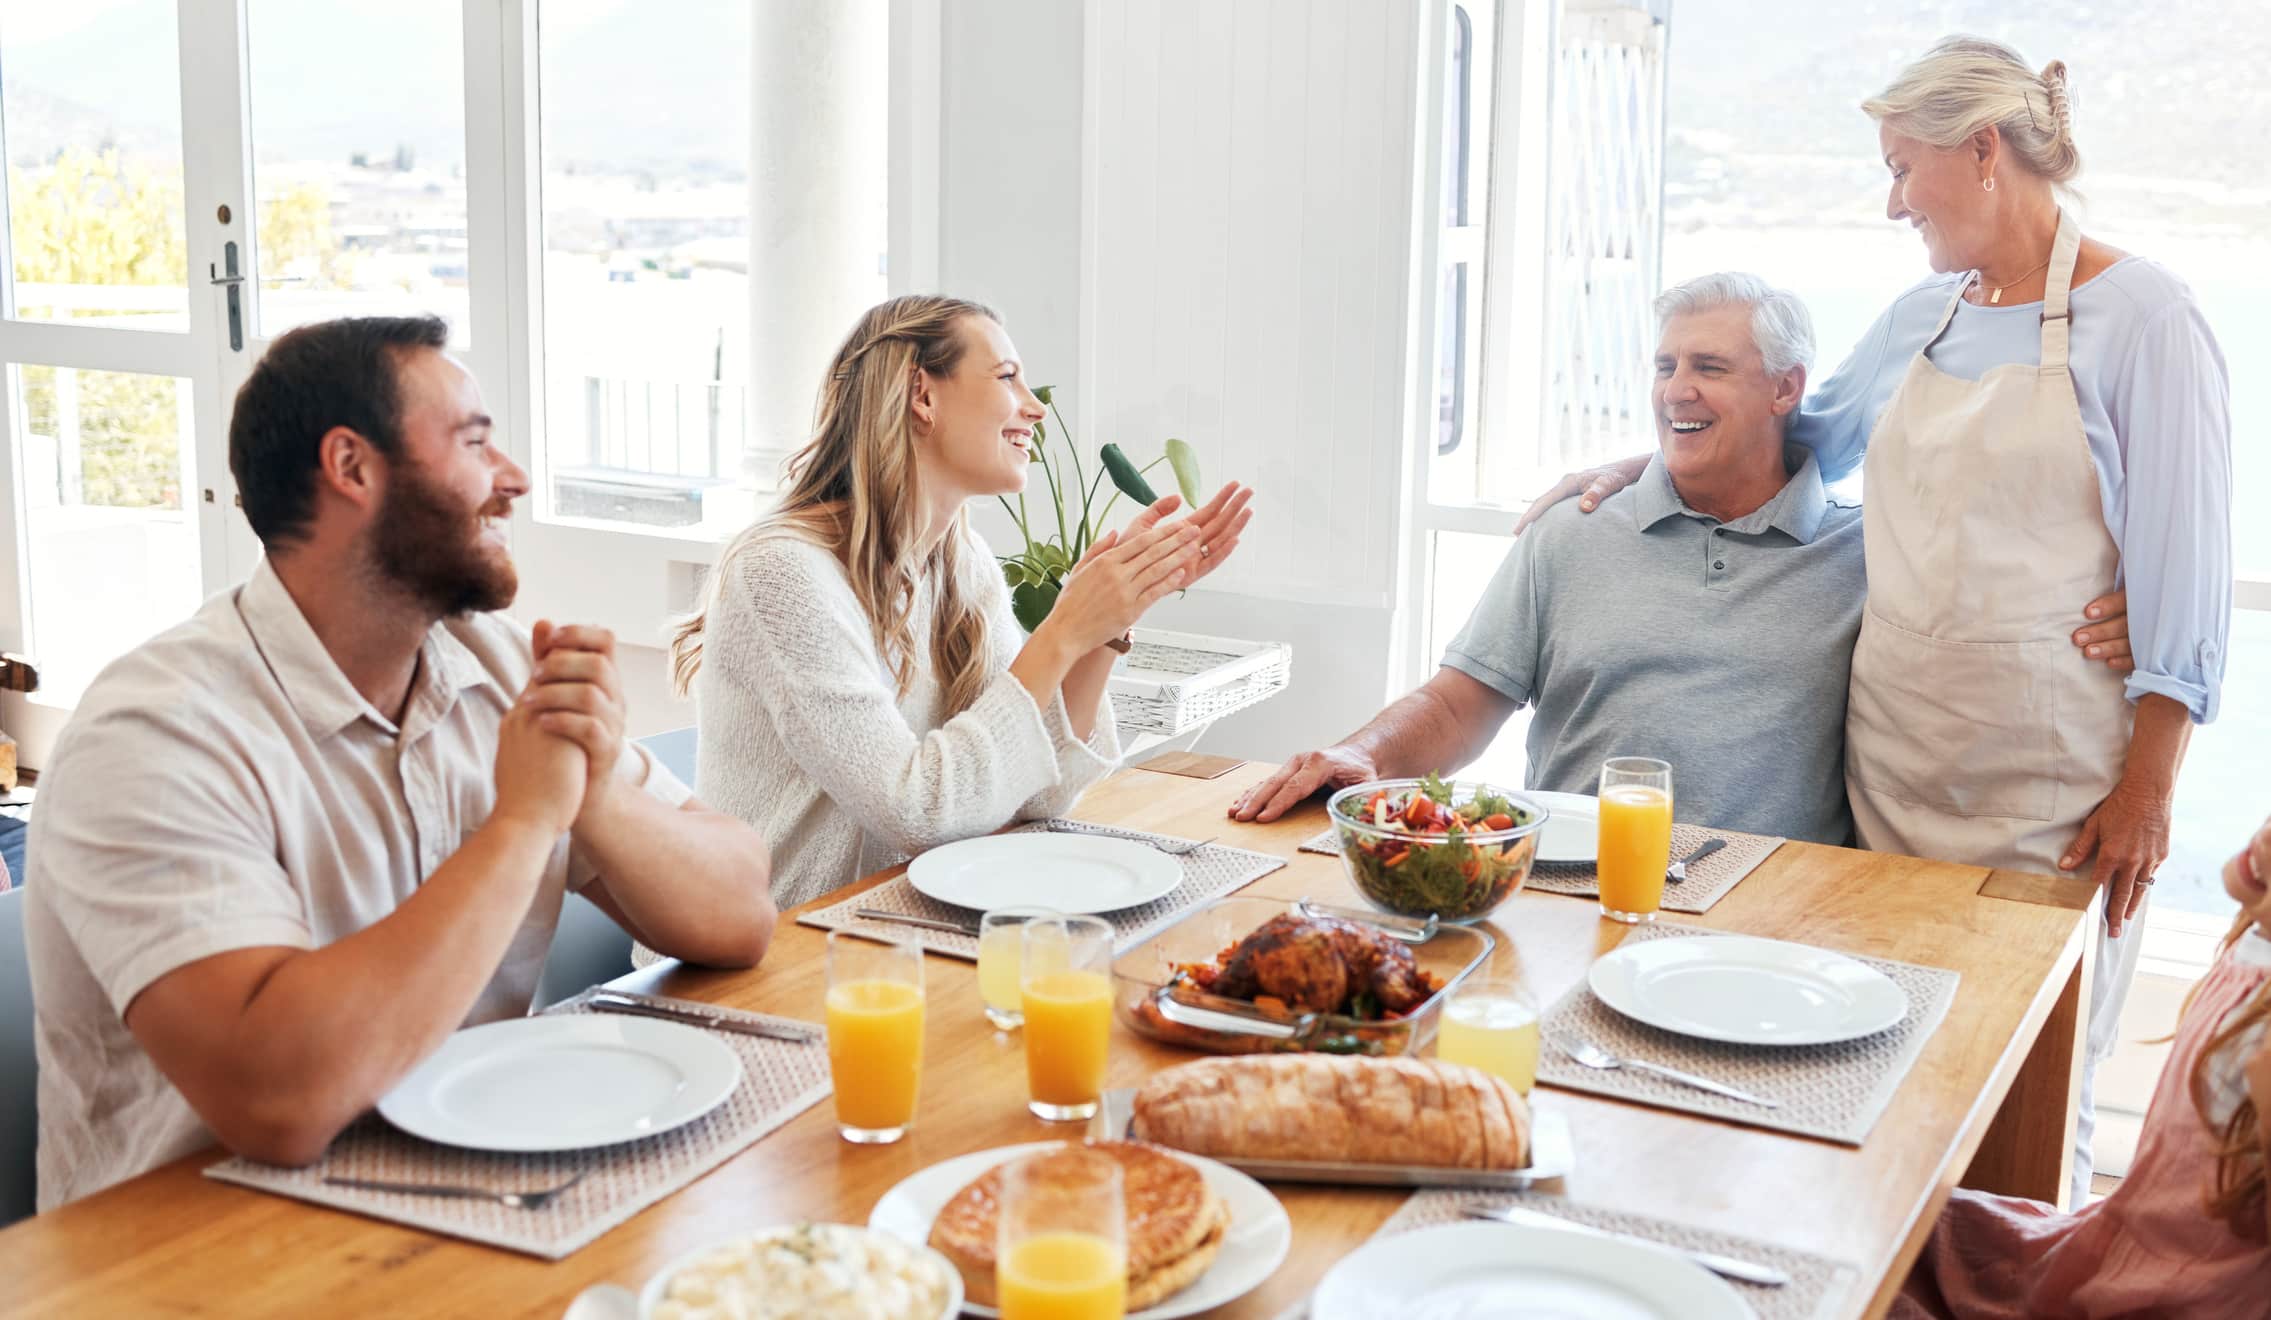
1593,1056
1172,850
1677,871
535,1200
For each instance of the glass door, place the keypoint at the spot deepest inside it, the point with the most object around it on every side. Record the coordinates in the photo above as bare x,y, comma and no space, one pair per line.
121,232
185,180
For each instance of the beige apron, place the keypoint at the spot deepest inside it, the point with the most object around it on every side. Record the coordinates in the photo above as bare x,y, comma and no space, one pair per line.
1976,731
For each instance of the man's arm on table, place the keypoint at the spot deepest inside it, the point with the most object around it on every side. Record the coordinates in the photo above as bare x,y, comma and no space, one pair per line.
1442,724
277,1049
688,881
1447,721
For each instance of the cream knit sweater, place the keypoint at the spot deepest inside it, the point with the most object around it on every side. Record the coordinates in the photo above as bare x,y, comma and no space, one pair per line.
804,735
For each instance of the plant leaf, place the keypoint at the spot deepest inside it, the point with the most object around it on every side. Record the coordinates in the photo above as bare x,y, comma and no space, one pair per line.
1185,461
1040,433
1031,604
1044,393
1127,478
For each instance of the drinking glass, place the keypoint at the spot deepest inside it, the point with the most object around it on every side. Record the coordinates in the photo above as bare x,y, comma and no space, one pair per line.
1061,1252
1492,1025
1067,998
875,1034
1001,940
1636,836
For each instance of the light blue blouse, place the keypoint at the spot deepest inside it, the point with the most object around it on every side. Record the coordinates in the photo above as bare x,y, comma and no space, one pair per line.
2156,410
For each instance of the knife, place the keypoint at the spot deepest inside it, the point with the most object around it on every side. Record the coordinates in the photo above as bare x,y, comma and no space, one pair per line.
618,1001
927,923
1766,1276
1677,871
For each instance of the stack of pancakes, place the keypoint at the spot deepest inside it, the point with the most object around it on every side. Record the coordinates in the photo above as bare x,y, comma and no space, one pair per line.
1175,1225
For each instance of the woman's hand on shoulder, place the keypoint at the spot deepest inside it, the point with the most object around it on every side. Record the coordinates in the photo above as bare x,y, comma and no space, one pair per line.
1591,486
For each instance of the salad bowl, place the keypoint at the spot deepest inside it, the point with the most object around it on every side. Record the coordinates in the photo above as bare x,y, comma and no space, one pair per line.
1423,847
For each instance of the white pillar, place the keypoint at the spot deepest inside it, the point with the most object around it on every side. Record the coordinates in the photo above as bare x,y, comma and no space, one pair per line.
819,99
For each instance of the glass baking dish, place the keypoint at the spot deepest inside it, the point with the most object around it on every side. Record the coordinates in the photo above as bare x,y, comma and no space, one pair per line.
1149,1000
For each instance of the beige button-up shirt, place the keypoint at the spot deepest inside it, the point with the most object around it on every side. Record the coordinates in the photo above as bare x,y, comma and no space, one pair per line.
224,787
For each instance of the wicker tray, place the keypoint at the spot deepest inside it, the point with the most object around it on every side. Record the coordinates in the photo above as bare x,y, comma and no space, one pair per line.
1172,681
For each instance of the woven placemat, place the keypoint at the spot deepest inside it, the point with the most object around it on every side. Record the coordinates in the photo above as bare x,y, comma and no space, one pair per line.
1835,1092
779,1080
1707,881
1208,873
1817,1287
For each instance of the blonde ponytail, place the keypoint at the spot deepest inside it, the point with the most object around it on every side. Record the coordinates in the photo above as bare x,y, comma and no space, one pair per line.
1964,84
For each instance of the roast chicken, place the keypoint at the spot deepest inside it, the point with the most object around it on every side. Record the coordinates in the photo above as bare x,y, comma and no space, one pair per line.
1318,964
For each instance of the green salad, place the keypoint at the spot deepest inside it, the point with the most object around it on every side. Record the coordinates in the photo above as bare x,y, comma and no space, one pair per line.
1414,849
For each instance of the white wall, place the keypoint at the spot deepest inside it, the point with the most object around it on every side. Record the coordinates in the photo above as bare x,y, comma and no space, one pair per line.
1246,189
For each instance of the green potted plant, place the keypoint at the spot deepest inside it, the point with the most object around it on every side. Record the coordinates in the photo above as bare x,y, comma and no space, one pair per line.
1037,573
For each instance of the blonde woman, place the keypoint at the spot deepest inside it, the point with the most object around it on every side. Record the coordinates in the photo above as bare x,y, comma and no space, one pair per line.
2184,1235
864,690
2042,420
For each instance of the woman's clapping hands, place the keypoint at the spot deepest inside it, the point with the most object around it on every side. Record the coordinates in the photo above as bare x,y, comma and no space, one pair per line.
1125,572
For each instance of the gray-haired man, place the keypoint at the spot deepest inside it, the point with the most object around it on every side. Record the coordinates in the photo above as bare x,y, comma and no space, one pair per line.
1705,617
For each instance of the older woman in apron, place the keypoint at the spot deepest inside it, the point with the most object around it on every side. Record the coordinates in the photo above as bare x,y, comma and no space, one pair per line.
2045,420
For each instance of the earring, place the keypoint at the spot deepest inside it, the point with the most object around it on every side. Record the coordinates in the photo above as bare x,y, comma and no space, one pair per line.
1988,183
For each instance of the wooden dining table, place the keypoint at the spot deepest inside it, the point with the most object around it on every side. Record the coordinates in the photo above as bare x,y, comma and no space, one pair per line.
1988,1104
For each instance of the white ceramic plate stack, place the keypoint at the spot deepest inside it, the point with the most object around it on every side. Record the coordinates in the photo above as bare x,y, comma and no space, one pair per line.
568,1081
1511,1271
1084,873
1747,991
1259,1235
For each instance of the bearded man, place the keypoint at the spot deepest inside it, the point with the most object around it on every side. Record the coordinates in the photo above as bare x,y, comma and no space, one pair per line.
285,848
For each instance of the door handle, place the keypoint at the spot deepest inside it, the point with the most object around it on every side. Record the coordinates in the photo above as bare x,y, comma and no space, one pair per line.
232,280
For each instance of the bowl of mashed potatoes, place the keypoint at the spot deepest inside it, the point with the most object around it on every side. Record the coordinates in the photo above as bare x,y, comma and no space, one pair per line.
821,1271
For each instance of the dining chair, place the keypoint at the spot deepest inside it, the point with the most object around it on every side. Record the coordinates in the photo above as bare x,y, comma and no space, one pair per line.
589,947
19,1068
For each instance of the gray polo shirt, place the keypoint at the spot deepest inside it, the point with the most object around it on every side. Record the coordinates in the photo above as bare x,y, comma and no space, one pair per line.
1645,628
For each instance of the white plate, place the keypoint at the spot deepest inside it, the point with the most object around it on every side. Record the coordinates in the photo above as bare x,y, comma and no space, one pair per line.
1509,1272
650,1297
1573,826
1748,991
563,1082
1252,1249
1068,872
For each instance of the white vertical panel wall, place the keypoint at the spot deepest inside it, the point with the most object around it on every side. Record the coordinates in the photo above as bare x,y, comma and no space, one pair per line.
1249,212
1250,207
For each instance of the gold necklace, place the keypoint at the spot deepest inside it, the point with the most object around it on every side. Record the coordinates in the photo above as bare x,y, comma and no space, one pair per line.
1996,295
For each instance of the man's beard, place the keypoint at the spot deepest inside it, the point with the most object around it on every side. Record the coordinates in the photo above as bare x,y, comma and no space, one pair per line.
430,548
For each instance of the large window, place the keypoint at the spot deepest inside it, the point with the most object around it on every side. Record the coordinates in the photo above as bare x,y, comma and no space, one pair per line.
599,197
1775,171
645,142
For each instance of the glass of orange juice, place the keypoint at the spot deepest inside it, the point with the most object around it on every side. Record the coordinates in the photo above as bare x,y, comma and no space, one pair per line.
1001,941
875,1034
1067,999
1062,1247
1636,836
1492,1025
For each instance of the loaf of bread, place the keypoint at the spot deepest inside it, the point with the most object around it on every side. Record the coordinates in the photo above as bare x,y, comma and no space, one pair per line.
1333,1108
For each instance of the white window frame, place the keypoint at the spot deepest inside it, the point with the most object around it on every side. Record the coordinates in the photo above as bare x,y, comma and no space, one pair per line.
1509,389
628,579
632,579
